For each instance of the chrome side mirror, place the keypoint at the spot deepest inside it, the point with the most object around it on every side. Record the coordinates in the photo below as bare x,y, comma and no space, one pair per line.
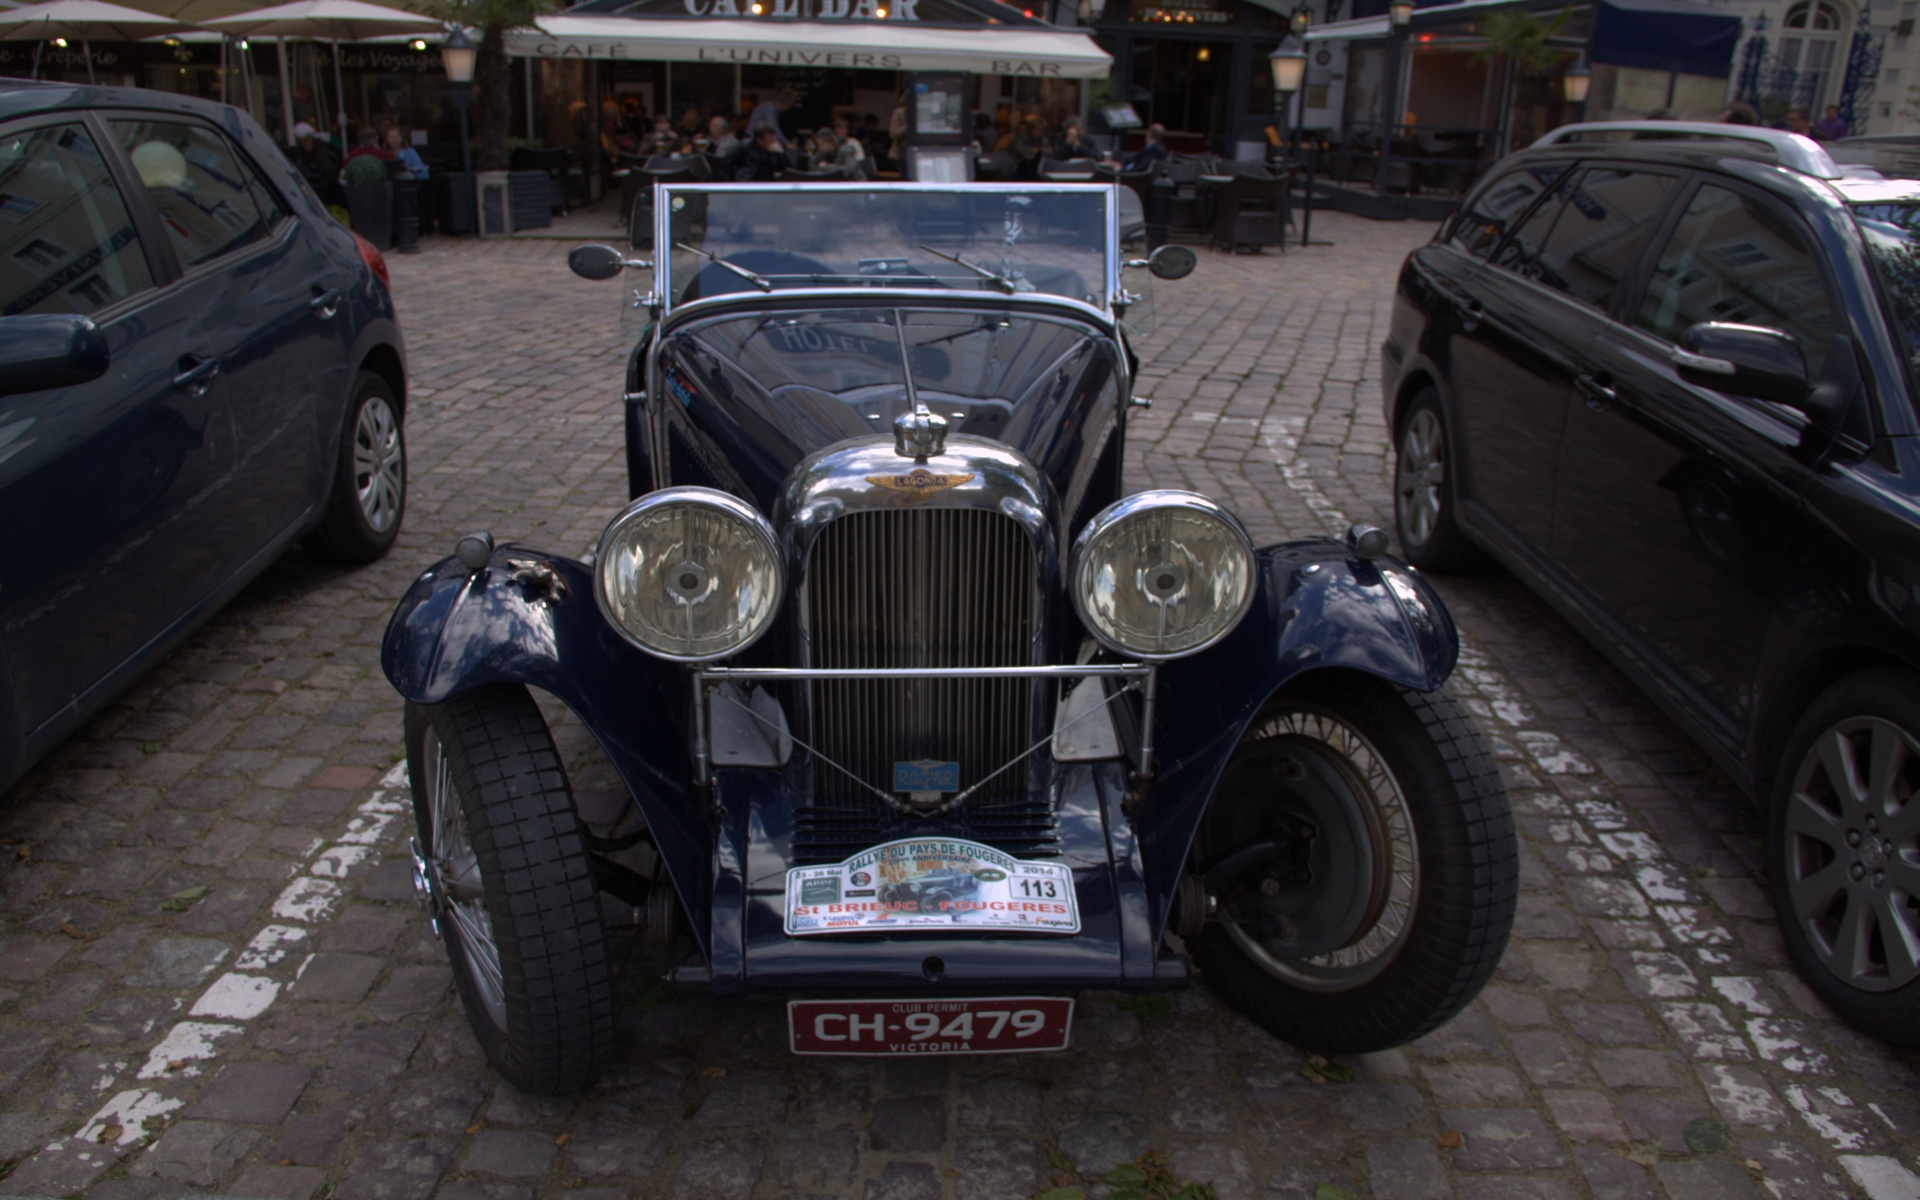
1172,262
602,262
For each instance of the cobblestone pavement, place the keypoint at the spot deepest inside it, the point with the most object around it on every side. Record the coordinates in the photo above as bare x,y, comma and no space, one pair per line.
213,977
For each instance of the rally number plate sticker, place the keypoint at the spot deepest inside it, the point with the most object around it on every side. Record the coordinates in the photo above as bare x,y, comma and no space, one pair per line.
931,883
999,1025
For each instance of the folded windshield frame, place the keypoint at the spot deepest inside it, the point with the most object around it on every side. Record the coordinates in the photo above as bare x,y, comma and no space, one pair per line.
1097,248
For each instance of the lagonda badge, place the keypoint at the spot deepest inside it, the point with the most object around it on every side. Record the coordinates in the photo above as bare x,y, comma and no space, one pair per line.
919,483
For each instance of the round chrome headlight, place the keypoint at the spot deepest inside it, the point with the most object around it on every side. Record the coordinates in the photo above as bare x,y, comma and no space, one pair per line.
1162,574
689,574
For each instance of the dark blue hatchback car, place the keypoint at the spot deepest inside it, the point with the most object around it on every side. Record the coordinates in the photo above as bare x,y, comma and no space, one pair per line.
199,367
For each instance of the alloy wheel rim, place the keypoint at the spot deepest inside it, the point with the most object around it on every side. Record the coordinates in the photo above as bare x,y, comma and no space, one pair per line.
1853,852
377,464
456,870
1367,774
1419,478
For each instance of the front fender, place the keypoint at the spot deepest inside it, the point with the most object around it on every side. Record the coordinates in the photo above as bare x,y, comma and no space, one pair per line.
1314,608
455,631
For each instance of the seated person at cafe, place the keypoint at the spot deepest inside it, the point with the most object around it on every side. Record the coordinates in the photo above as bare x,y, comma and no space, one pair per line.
1154,151
397,148
831,151
318,163
369,144
761,160
1072,142
719,137
663,139
691,123
1029,144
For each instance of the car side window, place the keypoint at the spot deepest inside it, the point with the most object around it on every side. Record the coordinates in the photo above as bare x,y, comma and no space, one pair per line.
67,242
209,201
1594,235
1505,200
1734,259
1520,253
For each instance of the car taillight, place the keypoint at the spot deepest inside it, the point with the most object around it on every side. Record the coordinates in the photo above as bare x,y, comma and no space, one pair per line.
371,256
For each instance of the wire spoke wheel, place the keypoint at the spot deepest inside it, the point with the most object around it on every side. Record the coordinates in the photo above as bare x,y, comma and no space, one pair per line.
503,859
1853,852
456,873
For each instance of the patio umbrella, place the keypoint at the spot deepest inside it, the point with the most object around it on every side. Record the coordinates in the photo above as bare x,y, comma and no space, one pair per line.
334,20
80,19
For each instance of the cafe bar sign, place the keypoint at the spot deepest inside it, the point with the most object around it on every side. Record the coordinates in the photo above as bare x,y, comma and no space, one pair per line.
820,39
947,12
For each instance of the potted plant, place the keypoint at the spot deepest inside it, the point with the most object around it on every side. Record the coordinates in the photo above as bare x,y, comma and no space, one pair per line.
370,200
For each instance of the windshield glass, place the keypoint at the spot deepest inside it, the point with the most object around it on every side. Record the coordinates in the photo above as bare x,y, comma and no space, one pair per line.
1892,233
1046,239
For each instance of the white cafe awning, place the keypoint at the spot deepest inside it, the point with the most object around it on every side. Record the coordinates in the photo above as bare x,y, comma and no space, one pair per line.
870,45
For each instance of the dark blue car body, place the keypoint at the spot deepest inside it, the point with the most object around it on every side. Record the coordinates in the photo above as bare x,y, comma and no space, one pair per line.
133,505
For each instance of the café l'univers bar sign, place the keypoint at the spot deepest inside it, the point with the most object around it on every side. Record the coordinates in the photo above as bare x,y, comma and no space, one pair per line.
887,35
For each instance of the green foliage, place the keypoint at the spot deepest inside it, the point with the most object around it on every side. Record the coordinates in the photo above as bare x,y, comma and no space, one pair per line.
1145,1178
366,169
1147,1008
1524,38
1331,1191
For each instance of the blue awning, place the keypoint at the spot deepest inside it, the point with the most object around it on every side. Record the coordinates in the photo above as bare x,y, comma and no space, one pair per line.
1665,35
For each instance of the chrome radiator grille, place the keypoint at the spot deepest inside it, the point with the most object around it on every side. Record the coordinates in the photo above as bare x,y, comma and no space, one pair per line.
921,588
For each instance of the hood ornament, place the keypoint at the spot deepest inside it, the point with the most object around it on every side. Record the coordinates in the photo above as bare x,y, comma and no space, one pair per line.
920,434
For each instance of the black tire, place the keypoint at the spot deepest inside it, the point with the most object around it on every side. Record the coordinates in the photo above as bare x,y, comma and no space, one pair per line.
1866,971
1425,939
1423,491
368,497
542,1008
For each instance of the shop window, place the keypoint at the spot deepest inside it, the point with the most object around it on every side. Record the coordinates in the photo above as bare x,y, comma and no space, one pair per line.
1182,85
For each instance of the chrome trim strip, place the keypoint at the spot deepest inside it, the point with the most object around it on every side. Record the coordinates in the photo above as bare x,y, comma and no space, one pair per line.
706,680
1125,670
877,298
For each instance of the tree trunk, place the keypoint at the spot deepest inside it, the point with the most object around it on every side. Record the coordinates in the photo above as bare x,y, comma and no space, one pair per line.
493,99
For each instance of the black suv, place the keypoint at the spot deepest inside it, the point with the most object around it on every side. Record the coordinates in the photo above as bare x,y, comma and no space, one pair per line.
1665,373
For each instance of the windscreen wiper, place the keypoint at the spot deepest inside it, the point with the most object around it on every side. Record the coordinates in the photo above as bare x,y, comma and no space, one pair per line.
759,281
1004,284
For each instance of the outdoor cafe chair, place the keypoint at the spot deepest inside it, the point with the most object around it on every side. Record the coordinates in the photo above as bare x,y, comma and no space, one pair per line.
1252,211
556,162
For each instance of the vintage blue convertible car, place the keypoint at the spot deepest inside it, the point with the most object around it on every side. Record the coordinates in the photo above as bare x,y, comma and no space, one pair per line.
927,723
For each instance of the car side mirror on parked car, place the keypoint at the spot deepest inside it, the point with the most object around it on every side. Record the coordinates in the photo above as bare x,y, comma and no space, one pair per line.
1172,262
601,262
50,350
1744,360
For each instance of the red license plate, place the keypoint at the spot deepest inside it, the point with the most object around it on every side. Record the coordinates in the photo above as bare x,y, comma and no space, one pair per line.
997,1025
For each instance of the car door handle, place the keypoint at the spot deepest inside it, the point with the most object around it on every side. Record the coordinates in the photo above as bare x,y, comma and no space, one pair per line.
195,374
326,303
1599,395
1471,314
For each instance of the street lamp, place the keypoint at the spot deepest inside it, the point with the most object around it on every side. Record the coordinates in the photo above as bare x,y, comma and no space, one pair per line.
1575,83
1401,12
1301,19
458,55
1090,10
